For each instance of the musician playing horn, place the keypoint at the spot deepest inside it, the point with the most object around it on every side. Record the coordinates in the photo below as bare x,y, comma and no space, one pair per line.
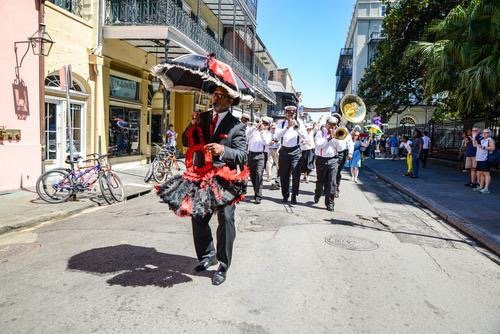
327,148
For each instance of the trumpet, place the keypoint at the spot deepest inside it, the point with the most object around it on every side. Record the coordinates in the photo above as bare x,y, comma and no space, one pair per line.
353,110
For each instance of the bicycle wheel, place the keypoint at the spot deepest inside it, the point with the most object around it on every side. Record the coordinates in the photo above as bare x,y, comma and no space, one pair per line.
55,186
159,171
177,167
115,186
105,190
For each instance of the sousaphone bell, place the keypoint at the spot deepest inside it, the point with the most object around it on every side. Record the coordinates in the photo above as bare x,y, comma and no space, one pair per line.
353,110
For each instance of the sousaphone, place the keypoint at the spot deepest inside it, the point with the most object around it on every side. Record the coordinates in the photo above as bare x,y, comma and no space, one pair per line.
353,110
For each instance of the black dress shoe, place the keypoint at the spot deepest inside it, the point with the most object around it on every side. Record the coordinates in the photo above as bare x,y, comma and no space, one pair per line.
284,200
205,264
219,276
316,199
257,201
330,207
336,194
294,199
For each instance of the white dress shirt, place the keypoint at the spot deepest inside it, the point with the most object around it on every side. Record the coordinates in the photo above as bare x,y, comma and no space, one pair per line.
258,140
219,120
346,144
326,147
308,144
427,142
290,137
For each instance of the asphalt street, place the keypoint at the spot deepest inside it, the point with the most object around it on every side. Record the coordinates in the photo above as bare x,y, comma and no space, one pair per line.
379,264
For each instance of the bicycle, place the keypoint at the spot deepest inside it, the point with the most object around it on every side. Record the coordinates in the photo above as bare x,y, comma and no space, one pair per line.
58,185
164,165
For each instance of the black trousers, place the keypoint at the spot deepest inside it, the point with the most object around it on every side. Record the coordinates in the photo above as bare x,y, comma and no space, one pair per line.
256,164
326,183
289,165
342,159
425,154
226,233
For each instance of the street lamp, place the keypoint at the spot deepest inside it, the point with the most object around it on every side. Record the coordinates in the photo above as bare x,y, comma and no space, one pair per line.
41,43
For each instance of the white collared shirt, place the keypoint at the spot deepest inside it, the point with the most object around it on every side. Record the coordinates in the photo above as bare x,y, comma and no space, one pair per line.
219,120
346,144
290,137
325,147
258,140
426,142
308,143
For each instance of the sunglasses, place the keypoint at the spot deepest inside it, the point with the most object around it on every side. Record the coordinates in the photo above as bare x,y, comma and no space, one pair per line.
220,95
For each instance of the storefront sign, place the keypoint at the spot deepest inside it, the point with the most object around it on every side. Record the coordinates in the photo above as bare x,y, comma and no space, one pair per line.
123,88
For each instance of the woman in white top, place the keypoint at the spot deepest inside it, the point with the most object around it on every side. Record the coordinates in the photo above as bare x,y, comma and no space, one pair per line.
406,144
483,147
307,147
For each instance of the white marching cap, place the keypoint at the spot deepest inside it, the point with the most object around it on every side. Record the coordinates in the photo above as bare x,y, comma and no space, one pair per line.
245,115
332,120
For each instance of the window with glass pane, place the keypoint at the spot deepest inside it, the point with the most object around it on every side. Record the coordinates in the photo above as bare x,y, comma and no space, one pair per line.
50,131
124,125
76,128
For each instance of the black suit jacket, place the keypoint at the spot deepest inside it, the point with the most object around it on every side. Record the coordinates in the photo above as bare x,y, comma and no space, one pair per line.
230,133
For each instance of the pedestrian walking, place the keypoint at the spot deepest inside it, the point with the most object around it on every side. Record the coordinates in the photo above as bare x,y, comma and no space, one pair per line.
290,132
484,146
327,148
355,163
426,145
416,152
393,144
307,148
258,138
406,145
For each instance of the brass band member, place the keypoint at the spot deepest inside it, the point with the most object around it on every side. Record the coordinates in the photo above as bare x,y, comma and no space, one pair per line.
290,132
327,147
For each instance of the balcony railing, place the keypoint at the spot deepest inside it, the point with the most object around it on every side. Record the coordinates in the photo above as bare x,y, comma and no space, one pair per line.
73,6
346,52
252,6
167,12
376,36
345,72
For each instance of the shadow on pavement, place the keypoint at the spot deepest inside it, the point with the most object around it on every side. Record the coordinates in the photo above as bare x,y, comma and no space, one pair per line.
137,266
352,224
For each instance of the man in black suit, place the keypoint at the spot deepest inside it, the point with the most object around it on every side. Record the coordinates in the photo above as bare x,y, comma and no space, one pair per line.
226,139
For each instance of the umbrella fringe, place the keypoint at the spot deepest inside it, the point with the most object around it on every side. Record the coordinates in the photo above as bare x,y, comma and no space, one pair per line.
160,70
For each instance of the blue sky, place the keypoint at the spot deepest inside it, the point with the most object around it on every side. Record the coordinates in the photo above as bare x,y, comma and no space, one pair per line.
306,37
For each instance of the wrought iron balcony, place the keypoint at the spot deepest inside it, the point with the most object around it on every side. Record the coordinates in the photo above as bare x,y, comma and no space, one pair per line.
168,13
376,36
73,6
343,77
346,52
252,6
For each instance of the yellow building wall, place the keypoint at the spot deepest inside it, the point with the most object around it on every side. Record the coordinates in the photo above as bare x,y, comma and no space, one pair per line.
206,14
73,38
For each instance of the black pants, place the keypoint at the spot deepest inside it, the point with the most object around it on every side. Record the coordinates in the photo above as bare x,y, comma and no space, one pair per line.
289,165
342,159
425,154
326,184
257,164
226,233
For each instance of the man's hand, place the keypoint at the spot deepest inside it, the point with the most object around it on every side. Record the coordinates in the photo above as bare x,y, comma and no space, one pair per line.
195,118
215,149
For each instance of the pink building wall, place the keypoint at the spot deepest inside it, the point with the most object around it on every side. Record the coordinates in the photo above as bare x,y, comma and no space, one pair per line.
20,161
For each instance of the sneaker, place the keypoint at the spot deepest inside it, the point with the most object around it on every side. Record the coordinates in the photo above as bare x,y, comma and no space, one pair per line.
484,191
477,189
470,184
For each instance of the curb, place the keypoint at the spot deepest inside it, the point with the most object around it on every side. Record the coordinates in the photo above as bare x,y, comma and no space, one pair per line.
59,215
447,215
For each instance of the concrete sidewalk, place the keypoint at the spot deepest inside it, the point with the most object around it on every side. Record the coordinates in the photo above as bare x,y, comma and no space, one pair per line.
442,190
23,208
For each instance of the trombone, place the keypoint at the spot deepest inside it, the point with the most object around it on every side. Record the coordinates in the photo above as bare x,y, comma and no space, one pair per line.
353,110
